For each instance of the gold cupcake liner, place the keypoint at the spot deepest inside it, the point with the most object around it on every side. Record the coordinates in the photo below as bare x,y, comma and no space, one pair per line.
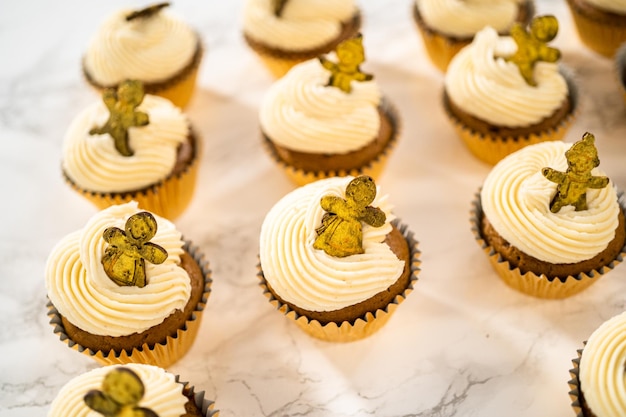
493,148
540,286
279,66
168,198
162,354
178,89
439,48
374,168
206,406
574,385
361,327
599,35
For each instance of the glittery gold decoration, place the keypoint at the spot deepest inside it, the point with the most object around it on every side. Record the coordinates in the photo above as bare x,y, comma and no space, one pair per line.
124,258
572,186
121,392
341,232
351,55
147,11
122,114
278,6
531,46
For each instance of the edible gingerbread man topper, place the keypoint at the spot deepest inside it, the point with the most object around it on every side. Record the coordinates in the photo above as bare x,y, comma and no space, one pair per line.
351,55
124,260
121,392
531,46
146,12
122,104
572,186
278,6
341,232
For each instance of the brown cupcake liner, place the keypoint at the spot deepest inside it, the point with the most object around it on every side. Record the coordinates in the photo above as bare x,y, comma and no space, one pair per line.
279,61
493,148
441,48
603,36
178,88
619,65
374,168
168,198
529,283
363,326
206,406
575,393
162,354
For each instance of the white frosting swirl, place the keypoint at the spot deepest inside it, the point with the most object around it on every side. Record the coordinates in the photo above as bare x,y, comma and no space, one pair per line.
482,83
308,277
615,6
300,112
463,18
163,394
93,163
601,373
303,24
147,49
516,199
82,292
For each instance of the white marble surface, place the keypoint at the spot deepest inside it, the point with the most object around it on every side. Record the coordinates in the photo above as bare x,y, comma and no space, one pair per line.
462,344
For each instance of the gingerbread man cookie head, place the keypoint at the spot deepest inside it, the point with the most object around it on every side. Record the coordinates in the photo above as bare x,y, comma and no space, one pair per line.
122,389
582,157
351,55
572,184
532,45
361,191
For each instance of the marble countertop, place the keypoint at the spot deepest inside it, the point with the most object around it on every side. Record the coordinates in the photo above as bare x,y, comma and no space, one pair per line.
462,344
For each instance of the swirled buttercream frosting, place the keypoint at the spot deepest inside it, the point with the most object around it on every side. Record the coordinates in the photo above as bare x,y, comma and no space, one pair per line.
150,49
481,82
302,25
614,6
163,394
80,289
310,278
463,18
516,199
302,113
93,163
602,374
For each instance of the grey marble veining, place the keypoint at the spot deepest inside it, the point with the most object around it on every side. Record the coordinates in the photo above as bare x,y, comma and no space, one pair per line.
462,344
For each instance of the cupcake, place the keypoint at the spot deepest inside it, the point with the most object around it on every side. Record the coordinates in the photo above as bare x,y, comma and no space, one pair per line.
597,384
151,45
127,288
143,390
549,220
132,147
446,26
283,33
334,258
319,122
500,100
601,24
